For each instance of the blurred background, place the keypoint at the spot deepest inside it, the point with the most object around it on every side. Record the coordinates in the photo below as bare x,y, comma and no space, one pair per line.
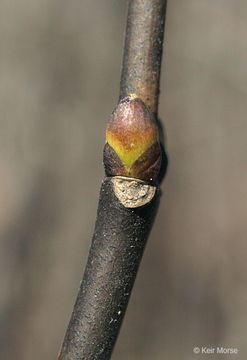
60,71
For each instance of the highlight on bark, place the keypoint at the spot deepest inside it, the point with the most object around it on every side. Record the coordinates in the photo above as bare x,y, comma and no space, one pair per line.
132,146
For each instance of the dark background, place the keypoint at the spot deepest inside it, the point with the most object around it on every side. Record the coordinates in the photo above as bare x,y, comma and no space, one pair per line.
60,67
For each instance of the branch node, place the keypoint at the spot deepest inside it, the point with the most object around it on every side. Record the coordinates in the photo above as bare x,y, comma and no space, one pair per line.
132,193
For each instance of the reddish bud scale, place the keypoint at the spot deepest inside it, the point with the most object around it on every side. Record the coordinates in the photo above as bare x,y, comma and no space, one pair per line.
132,141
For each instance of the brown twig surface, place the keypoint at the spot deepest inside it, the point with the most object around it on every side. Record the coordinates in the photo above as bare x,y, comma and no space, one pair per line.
126,210
143,51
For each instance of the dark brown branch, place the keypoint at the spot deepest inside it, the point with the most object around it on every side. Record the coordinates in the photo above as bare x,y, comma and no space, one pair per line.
117,247
143,51
127,206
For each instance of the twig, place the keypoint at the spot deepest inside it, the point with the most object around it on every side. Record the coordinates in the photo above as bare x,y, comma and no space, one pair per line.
143,51
127,205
